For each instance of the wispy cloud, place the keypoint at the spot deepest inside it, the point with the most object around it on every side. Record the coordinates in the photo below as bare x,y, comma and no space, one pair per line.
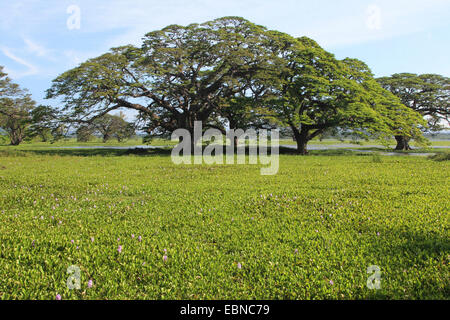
31,69
35,36
35,48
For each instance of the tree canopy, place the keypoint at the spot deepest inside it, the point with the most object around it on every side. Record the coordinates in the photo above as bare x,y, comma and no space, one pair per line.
113,126
231,71
46,124
15,108
179,75
427,94
314,92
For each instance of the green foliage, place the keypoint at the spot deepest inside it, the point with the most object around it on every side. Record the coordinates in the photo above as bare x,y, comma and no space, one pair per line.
314,92
108,127
320,219
230,71
45,124
113,126
376,158
428,94
441,157
180,74
85,133
4,139
15,109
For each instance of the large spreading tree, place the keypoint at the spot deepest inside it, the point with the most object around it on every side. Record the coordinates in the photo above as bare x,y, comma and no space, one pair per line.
15,109
428,94
178,76
231,70
315,92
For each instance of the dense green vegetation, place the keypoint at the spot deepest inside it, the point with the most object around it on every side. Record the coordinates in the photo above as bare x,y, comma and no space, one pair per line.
227,232
229,74
137,226
428,94
138,141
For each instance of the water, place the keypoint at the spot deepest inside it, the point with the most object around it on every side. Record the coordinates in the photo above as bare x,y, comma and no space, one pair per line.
310,147
113,147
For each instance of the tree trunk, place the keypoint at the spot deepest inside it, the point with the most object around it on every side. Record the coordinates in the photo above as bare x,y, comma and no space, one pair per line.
15,142
233,126
15,138
192,143
402,143
302,146
301,137
44,137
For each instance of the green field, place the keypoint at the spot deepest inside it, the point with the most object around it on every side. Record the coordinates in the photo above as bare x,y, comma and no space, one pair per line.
309,232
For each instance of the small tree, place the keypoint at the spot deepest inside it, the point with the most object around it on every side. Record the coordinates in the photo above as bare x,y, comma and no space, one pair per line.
45,124
124,132
85,133
113,126
15,108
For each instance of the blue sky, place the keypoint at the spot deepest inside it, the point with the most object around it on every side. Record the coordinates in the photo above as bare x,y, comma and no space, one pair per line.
391,36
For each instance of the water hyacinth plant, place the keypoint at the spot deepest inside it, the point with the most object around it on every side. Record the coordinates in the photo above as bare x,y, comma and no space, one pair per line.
316,228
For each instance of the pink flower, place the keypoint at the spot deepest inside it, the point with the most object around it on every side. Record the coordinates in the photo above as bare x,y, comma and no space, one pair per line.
165,258
58,297
72,241
119,249
140,238
132,236
239,265
331,282
296,251
90,283
92,239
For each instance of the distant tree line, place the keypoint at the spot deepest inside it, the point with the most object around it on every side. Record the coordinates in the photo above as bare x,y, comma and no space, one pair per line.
229,74
108,127
21,119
